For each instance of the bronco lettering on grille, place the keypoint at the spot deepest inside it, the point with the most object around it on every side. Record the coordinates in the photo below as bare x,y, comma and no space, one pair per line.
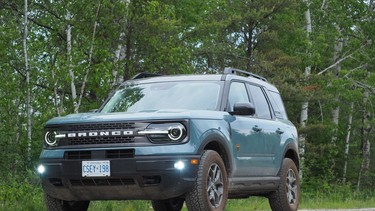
98,134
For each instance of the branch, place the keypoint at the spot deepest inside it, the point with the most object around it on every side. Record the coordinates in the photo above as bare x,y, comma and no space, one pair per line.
341,60
14,8
354,69
365,86
336,63
49,11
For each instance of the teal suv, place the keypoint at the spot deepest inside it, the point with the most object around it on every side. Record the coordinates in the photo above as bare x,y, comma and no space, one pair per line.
198,139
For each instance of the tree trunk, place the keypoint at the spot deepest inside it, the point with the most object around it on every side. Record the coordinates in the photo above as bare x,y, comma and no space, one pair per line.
70,61
89,60
128,40
128,53
56,96
305,105
119,55
27,68
249,50
336,111
347,143
366,145
120,51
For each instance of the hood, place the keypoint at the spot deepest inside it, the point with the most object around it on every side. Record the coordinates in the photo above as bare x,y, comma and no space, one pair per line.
140,116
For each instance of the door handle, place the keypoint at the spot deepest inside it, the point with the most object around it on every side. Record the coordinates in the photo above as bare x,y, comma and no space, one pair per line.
257,129
279,131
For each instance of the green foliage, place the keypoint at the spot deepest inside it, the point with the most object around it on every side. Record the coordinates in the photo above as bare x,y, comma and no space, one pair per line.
21,192
183,37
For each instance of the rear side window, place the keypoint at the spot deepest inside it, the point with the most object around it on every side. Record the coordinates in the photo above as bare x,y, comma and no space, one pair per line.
278,105
262,108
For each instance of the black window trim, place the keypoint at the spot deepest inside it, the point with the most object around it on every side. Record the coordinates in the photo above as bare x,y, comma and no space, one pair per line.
247,91
262,88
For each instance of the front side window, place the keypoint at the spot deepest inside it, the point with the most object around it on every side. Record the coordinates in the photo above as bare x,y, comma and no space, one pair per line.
237,94
185,95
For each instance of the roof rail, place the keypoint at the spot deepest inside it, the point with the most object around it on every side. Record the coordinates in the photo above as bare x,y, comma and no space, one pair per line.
145,75
230,70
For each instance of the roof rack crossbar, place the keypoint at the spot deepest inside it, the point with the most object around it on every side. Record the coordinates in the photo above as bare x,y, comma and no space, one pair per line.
145,75
230,70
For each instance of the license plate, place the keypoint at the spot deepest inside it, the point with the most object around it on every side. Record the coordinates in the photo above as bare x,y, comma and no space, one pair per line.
101,168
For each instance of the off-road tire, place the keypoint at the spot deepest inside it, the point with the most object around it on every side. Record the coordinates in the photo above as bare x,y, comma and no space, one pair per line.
54,204
287,196
174,204
210,191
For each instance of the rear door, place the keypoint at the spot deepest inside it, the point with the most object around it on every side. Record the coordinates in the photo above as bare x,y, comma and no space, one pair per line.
271,131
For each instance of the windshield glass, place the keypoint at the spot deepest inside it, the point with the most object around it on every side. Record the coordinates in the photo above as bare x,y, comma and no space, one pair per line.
190,95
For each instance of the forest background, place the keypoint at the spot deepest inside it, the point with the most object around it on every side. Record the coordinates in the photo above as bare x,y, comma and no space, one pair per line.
59,57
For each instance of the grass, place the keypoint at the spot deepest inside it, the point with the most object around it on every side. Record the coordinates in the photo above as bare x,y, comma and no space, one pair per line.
28,196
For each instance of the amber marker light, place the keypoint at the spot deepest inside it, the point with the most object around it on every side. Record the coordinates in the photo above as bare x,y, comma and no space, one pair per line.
194,161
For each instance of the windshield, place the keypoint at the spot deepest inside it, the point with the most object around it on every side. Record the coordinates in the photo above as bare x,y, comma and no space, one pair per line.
190,95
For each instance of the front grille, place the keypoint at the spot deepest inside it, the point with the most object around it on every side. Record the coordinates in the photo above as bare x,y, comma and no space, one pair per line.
99,154
99,126
100,133
102,182
101,140
78,155
122,153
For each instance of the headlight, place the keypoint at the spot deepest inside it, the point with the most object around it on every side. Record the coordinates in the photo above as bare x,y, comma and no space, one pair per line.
51,138
165,132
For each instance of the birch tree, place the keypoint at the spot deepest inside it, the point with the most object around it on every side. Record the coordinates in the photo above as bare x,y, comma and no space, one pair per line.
336,56
347,142
68,17
305,105
27,70
89,59
366,144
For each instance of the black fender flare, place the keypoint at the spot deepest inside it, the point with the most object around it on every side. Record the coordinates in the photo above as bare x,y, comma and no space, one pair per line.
223,144
291,151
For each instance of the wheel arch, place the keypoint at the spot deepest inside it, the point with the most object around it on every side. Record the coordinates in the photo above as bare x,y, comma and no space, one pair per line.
291,152
217,143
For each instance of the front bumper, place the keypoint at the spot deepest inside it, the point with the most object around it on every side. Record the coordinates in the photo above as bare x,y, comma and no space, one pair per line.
139,177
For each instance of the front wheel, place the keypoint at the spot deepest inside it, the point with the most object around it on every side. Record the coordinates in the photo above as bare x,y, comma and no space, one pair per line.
54,204
287,196
174,204
210,191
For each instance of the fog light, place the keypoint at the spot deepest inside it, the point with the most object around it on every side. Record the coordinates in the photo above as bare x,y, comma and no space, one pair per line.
179,165
41,169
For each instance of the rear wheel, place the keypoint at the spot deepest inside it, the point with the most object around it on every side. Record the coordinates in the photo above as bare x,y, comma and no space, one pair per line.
287,196
210,191
54,204
174,204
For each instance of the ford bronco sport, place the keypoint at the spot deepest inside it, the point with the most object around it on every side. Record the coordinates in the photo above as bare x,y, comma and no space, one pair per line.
198,139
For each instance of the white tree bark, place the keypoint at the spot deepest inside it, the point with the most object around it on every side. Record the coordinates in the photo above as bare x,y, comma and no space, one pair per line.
56,96
70,61
366,144
337,68
305,105
119,55
121,48
347,142
27,69
76,109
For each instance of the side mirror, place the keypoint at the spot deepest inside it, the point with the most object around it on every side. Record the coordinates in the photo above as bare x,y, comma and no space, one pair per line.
244,109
